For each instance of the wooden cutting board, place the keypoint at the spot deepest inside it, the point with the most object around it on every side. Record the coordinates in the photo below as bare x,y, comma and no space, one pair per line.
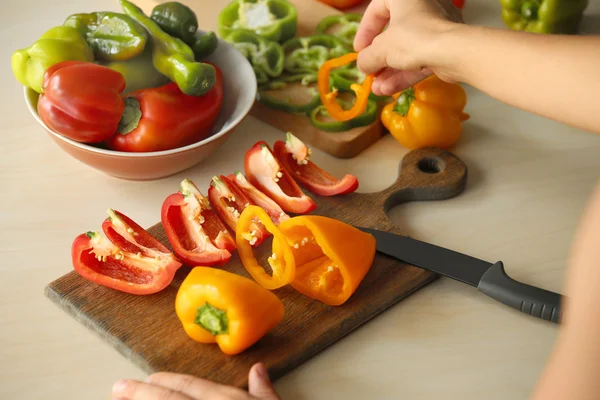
146,330
346,144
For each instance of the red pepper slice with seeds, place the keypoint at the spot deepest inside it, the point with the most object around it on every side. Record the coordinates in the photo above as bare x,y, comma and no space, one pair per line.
267,175
130,260
229,202
259,198
197,234
294,155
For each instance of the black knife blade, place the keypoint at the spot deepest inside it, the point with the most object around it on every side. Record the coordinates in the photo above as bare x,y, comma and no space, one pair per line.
490,278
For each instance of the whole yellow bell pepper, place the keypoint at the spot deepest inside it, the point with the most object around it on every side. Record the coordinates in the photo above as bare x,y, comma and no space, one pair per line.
428,114
61,43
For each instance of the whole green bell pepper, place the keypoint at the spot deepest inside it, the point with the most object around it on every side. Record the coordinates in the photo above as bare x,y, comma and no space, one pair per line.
308,53
321,119
275,20
112,36
293,93
139,72
172,57
344,27
176,19
543,16
265,56
61,43
180,21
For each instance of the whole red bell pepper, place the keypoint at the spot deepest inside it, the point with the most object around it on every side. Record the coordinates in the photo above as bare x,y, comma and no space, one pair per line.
459,3
165,118
82,100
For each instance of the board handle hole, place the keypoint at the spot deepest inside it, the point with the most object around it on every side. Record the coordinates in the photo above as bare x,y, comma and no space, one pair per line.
430,165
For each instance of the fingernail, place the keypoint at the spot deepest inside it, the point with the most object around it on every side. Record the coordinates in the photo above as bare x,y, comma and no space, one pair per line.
261,370
119,387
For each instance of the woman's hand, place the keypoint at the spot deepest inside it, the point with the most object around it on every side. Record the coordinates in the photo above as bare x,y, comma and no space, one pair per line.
409,49
164,385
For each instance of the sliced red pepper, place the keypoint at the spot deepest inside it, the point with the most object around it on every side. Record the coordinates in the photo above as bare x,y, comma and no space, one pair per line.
229,202
198,236
120,266
259,198
266,174
294,155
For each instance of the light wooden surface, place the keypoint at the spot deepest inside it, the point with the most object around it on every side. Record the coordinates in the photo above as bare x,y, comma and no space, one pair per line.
529,181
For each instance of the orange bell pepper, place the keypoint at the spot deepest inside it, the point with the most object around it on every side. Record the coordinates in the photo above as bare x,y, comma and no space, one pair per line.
216,306
281,261
429,114
329,98
331,257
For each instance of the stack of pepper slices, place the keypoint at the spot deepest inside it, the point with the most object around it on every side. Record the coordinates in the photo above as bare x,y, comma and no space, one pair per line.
240,212
316,76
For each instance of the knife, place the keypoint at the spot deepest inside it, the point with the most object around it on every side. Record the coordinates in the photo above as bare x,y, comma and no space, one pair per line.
489,278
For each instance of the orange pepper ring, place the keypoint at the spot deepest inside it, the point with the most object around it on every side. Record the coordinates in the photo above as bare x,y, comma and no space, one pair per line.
328,98
279,278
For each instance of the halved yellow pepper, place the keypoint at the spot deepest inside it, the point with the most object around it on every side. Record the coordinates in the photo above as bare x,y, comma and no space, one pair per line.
282,261
331,257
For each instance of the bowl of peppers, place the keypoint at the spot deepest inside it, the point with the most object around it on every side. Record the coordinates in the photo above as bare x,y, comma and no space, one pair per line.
136,95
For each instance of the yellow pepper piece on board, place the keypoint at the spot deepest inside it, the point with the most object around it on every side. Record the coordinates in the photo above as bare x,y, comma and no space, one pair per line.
429,114
216,306
332,257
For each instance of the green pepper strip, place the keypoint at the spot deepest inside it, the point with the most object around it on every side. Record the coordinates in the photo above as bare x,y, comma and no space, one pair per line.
308,53
342,78
307,80
349,23
265,56
173,58
284,19
366,118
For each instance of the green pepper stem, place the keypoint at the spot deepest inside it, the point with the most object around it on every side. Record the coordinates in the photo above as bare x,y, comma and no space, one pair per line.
212,319
131,116
404,101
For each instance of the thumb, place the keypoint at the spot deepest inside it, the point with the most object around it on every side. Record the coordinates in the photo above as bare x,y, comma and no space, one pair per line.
259,384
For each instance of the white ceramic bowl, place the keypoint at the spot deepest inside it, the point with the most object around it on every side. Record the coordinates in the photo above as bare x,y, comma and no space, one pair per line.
239,95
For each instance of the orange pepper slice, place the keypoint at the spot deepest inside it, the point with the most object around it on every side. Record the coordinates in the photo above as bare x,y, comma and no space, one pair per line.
282,261
331,257
329,98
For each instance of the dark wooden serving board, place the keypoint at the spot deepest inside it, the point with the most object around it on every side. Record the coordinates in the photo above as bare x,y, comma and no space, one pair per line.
145,329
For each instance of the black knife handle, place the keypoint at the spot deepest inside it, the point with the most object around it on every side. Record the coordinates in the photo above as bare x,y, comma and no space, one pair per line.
531,300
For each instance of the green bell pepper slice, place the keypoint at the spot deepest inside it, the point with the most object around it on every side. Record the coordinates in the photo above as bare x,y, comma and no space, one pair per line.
291,93
307,53
180,21
139,72
61,43
321,119
344,27
275,20
172,57
342,78
112,36
543,16
265,56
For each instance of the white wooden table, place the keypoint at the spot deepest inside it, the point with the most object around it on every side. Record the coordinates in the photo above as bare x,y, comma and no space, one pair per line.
529,180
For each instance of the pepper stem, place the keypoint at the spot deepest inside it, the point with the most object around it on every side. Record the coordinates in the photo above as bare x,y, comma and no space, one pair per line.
529,10
131,116
212,319
404,101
